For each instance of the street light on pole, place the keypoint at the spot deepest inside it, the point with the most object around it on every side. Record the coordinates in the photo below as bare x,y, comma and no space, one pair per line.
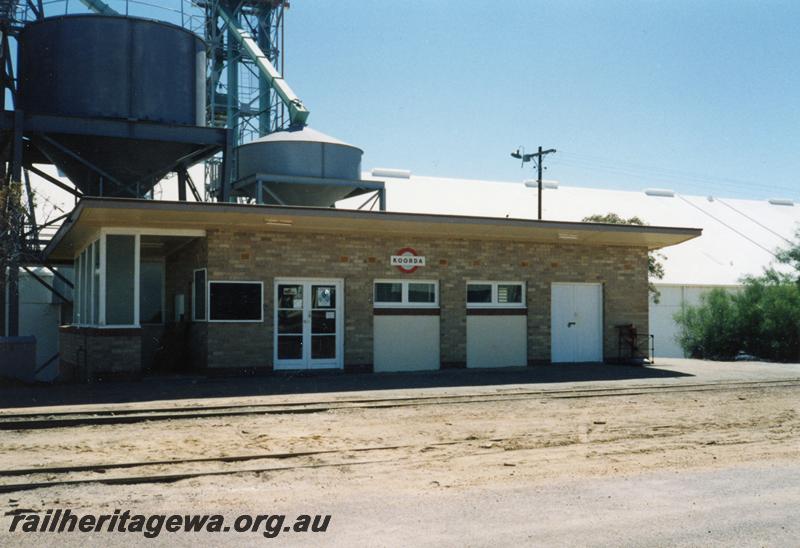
539,157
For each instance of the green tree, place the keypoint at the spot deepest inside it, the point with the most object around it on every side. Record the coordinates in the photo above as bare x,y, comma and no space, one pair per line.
762,319
789,256
711,329
655,266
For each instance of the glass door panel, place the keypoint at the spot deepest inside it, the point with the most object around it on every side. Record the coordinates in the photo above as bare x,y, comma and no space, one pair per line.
323,322
308,324
289,322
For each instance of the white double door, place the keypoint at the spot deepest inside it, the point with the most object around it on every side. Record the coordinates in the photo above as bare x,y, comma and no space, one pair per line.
308,323
576,322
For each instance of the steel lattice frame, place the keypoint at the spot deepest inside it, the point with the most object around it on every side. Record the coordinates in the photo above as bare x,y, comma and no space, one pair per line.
239,98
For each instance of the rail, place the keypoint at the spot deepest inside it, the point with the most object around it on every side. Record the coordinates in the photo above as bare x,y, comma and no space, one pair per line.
116,415
174,469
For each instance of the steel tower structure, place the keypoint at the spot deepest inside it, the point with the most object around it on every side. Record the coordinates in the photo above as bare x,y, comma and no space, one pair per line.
14,216
239,96
246,98
246,90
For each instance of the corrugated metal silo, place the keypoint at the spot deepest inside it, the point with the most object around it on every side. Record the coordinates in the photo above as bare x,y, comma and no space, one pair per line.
113,67
295,165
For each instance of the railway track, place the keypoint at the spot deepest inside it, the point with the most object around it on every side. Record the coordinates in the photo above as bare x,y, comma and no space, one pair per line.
172,470
146,472
140,472
64,419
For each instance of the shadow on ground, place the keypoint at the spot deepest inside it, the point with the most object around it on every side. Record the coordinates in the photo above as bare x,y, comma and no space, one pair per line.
190,387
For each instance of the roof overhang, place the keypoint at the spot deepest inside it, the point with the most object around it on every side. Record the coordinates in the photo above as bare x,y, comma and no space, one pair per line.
93,214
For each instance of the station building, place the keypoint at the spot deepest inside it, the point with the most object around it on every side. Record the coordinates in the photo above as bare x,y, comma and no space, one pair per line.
163,285
740,236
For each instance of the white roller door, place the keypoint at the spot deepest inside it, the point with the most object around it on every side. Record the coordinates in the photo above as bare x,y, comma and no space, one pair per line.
497,325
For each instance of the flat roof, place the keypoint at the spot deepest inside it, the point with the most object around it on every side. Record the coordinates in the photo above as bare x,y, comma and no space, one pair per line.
94,213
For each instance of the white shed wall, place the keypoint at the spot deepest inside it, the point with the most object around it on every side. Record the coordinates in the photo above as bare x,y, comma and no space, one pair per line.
40,316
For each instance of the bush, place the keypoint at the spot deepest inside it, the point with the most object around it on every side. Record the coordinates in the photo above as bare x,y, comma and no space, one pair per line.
778,309
709,330
762,320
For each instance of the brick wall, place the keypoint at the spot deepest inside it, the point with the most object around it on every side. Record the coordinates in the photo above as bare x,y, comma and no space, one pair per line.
359,259
88,353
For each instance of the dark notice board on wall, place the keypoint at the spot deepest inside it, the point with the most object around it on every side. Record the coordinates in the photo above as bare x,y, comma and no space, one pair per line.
234,301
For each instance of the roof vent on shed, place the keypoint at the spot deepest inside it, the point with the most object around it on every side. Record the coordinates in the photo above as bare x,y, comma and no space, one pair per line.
781,201
664,192
386,172
533,183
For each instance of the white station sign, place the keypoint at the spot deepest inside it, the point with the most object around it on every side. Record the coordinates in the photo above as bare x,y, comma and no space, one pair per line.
407,260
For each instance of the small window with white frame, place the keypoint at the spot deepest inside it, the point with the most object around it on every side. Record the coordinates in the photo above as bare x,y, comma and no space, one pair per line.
406,294
487,294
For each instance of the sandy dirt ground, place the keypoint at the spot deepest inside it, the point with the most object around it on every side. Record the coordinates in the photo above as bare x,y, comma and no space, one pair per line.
406,452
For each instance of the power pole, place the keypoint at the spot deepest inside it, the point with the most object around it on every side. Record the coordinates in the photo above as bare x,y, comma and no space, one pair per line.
540,155
539,158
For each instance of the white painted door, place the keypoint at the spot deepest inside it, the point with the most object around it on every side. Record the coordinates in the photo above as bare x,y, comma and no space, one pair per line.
576,322
308,324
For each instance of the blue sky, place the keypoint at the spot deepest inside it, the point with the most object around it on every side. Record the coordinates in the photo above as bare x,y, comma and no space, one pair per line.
701,97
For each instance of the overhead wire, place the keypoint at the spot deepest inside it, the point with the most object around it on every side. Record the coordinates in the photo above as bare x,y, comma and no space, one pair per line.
669,175
655,175
650,177
737,231
629,168
655,169
723,223
756,221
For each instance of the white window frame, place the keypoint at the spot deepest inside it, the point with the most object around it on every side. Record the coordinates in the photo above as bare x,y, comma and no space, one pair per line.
94,257
208,300
100,237
494,303
404,303
137,248
84,280
76,292
194,293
